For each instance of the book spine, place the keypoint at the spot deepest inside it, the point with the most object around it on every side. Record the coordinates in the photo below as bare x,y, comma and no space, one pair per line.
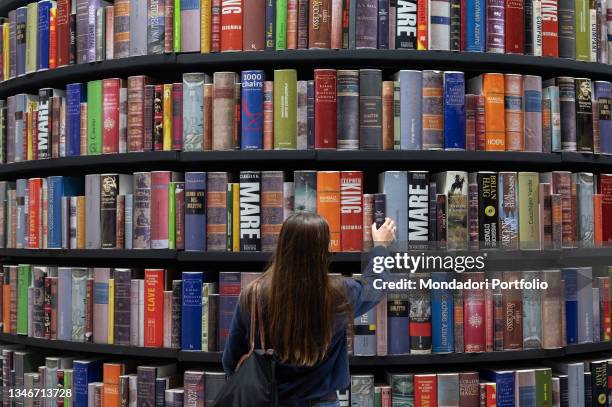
366,18
325,108
305,191
63,32
410,83
495,26
328,204
433,110
177,116
347,107
167,115
513,304
475,26
418,209
224,111
567,41
422,26
216,213
584,115
514,117
420,317
252,110
529,229
550,28
292,18
603,96
508,211
370,106
231,26
193,112
567,106
109,189
351,191
513,18
135,106
364,341
319,30
153,314
285,109
20,35
488,234
94,117
250,211
110,115
532,99
271,208
582,30
454,110
388,115
191,311
439,25
442,316
270,25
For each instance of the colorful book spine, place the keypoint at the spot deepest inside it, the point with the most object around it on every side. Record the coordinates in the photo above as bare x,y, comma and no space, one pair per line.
532,99
153,312
366,20
351,193
250,211
325,81
514,14
495,26
252,110
216,213
584,115
550,28
513,102
285,109
454,111
328,204
475,25
191,311
231,26
433,110
439,25
442,315
603,96
156,26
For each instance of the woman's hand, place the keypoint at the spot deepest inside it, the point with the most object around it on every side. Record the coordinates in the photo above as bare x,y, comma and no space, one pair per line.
385,235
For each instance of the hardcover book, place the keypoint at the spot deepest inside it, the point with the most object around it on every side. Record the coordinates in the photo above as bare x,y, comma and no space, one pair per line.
328,204
250,211
347,109
433,110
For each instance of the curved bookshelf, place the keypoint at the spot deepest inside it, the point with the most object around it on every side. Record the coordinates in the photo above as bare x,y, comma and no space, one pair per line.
305,159
170,65
355,361
495,260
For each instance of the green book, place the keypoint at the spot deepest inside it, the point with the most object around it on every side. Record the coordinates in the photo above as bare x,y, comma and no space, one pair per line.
529,217
68,377
543,379
582,26
285,109
31,38
177,26
94,117
281,25
377,396
24,279
171,215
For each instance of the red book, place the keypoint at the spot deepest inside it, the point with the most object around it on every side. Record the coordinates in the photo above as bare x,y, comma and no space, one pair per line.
63,32
489,331
604,307
488,394
136,112
34,218
177,116
111,89
53,38
253,35
425,390
605,189
550,28
514,23
231,25
325,108
215,26
474,316
351,211
463,24
159,209
154,308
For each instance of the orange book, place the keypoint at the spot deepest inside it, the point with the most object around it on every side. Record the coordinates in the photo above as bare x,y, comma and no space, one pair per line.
34,197
491,86
597,220
513,99
328,204
110,376
81,201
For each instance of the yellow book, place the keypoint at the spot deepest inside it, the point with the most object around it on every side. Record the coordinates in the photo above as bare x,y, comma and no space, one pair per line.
32,107
167,120
205,25
111,311
31,38
236,217
81,224
7,50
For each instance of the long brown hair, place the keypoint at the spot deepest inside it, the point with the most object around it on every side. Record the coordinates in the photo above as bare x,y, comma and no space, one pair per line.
302,301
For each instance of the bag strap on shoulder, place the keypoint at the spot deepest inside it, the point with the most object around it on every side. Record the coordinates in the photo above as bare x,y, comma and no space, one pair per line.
256,316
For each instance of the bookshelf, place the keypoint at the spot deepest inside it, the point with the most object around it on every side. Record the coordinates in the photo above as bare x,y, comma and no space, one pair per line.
323,159
8,5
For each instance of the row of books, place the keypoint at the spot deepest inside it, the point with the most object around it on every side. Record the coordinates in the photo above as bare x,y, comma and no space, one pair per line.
46,35
199,211
81,381
445,312
104,382
339,109
581,383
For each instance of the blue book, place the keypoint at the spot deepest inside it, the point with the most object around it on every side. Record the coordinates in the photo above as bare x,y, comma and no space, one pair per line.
84,372
57,187
454,110
310,114
411,85
195,211
191,311
252,110
584,299
21,17
44,23
383,24
570,276
442,315
76,94
270,25
398,321
475,30
504,383
603,95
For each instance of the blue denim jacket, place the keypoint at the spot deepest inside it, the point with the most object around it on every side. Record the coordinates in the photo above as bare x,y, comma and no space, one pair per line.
298,385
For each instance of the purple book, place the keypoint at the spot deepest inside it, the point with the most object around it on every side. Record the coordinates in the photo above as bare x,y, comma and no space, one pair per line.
229,292
366,35
495,26
86,30
12,43
603,95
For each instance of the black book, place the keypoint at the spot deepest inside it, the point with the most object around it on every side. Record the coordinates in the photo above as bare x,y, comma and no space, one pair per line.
123,284
488,216
418,209
250,211
584,115
177,305
599,383
567,39
109,189
380,203
406,25
370,109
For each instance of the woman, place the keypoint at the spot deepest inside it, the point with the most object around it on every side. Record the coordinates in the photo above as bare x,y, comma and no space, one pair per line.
307,312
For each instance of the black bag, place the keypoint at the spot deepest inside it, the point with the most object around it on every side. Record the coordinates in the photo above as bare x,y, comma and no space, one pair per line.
253,384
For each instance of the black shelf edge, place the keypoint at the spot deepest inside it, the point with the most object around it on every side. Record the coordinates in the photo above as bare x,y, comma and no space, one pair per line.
153,65
101,254
86,347
248,257
98,163
355,361
247,155
170,65
399,59
438,156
